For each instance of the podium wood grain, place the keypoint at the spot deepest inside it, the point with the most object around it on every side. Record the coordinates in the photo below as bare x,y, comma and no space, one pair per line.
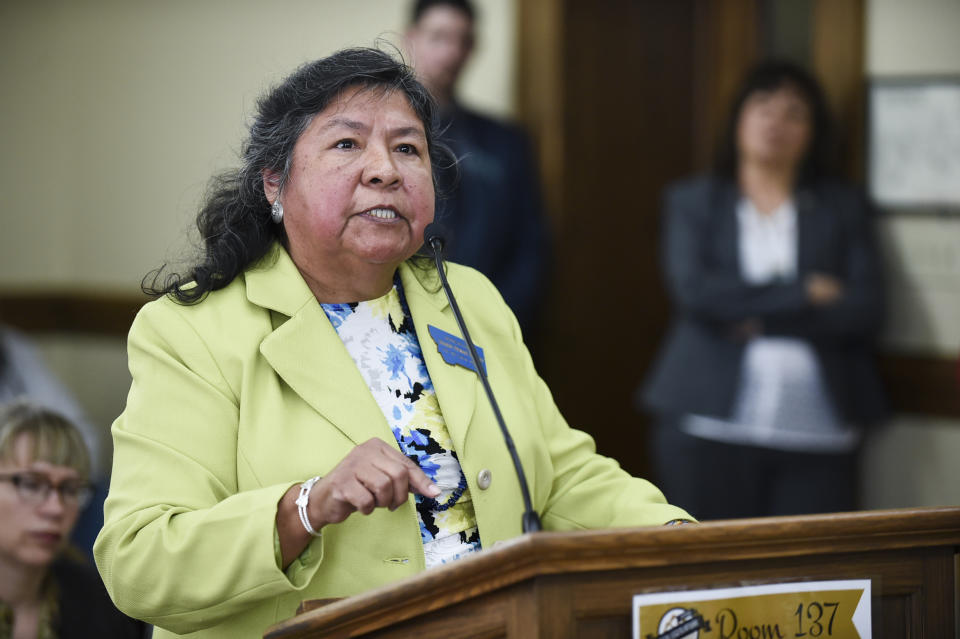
580,584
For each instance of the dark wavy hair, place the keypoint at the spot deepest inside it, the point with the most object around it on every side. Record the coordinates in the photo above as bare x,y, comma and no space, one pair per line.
771,75
234,219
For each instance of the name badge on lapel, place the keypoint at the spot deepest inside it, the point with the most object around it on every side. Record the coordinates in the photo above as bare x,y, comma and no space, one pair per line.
454,350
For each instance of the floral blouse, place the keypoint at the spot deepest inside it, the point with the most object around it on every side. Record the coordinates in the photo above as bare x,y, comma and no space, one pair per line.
381,340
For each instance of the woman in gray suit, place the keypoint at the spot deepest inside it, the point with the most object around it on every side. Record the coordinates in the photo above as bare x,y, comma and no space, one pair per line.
766,381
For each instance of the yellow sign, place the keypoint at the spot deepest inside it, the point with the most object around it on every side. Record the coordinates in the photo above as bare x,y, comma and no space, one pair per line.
802,610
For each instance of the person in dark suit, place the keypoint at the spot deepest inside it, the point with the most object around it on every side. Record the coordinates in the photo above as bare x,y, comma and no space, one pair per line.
765,381
490,202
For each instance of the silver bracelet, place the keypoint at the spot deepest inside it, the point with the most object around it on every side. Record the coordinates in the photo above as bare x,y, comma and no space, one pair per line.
303,500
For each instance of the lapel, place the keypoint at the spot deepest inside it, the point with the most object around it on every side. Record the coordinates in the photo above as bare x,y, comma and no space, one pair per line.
457,387
808,223
727,231
307,353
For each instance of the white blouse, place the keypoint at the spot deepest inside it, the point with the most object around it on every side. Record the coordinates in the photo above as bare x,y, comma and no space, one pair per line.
782,401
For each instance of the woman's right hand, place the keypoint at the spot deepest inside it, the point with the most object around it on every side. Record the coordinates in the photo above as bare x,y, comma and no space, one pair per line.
823,289
372,475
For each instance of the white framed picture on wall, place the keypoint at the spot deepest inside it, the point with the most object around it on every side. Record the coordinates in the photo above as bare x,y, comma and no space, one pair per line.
914,142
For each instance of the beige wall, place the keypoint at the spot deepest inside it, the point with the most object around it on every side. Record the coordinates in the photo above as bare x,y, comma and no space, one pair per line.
919,38
913,460
116,112
913,37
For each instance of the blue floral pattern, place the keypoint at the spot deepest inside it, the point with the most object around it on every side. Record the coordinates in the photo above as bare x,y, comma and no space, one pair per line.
381,340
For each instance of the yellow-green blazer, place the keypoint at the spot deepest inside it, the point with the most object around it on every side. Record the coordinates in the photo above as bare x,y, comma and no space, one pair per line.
250,391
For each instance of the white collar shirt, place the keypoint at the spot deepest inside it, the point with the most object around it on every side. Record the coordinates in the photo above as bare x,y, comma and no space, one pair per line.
782,401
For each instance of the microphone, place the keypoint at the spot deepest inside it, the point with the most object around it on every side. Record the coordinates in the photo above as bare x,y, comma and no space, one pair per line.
433,237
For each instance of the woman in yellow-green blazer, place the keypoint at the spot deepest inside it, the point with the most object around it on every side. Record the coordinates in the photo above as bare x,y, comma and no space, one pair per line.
252,386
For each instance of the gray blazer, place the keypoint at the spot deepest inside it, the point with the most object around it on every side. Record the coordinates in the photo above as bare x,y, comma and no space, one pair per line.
698,370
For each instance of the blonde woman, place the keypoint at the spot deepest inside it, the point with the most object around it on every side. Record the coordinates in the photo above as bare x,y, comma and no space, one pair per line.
44,593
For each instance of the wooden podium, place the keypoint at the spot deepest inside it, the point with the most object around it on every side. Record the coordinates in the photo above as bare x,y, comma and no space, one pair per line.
581,584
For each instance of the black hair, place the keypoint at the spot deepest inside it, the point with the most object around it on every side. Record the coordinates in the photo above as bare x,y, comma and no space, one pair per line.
421,6
769,76
234,220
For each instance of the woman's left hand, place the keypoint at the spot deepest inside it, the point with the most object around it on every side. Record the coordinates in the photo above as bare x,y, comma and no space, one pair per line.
823,289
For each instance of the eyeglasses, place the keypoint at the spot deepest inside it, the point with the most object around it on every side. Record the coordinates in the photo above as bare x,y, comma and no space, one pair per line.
34,489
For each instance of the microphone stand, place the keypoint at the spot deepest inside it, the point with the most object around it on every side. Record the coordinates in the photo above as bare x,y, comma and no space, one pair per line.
531,520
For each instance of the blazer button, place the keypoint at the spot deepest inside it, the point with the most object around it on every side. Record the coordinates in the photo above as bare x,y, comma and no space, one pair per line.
484,477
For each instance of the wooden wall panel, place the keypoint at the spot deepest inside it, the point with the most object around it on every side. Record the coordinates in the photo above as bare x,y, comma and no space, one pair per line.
82,312
540,80
727,44
622,98
837,49
628,102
